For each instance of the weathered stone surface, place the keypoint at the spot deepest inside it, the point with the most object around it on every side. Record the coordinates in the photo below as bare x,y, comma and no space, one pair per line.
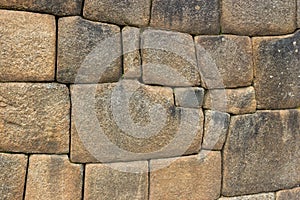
27,43
57,7
191,97
215,129
53,177
169,59
225,61
298,13
131,52
292,194
277,71
12,176
263,196
192,177
130,12
235,101
258,17
108,182
34,117
88,52
262,152
193,16
131,121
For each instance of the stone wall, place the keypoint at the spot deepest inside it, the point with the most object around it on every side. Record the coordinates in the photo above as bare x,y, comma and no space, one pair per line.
150,99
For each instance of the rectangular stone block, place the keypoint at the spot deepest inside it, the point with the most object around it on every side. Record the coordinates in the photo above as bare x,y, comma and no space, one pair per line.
34,117
116,181
292,194
263,196
262,153
57,7
129,12
258,17
12,176
131,52
277,71
235,101
88,52
191,97
192,177
169,59
193,16
131,121
224,61
53,177
27,43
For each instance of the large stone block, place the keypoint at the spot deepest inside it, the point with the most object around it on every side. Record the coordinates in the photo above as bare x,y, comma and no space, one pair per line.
277,71
131,121
169,59
262,152
193,177
27,43
12,176
193,16
108,181
53,177
263,196
34,117
292,194
235,101
191,97
258,17
224,61
129,12
57,7
88,52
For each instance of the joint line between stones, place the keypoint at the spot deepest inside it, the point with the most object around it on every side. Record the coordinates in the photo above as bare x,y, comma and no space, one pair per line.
26,175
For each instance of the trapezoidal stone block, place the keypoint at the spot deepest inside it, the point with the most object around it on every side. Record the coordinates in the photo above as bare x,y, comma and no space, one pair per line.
88,52
57,7
192,177
130,121
116,181
263,196
258,17
12,176
169,58
277,71
193,16
224,61
34,117
53,177
291,194
27,43
129,12
262,152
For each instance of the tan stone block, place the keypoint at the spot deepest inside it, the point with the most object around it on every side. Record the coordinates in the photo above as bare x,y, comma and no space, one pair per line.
235,101
34,117
298,13
224,61
262,153
193,177
258,17
292,194
193,16
53,177
277,71
169,59
12,176
263,196
57,7
88,52
116,181
130,12
27,43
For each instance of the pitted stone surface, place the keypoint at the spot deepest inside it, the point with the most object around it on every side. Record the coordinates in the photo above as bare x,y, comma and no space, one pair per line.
27,44
193,16
258,17
129,12
34,117
292,194
262,152
277,71
88,52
